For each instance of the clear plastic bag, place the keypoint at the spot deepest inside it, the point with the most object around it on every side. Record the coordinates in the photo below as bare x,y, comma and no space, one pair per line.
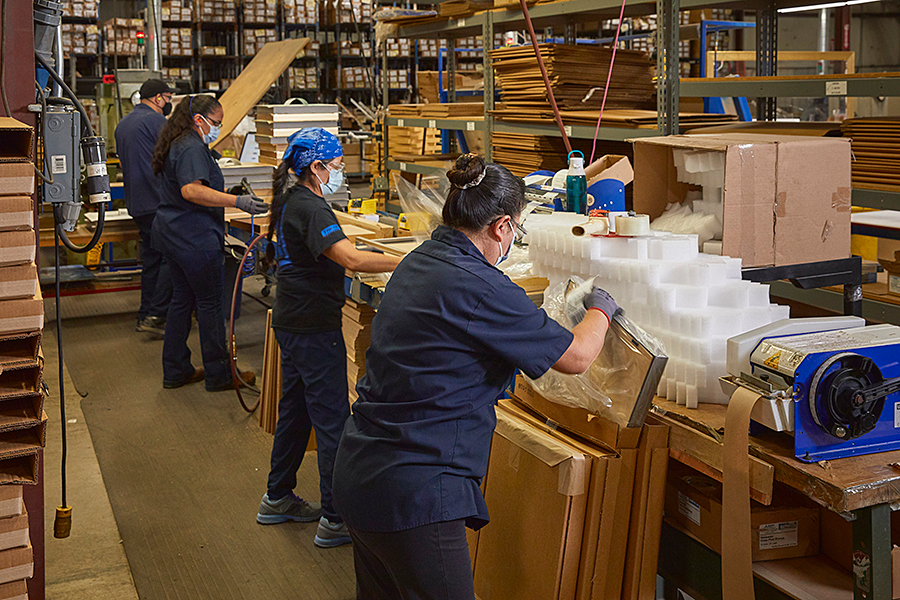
422,208
622,381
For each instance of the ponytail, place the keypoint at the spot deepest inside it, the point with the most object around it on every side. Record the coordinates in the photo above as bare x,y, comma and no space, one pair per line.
283,181
180,123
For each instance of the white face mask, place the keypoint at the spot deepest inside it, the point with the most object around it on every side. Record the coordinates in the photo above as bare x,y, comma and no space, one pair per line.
335,179
504,256
214,131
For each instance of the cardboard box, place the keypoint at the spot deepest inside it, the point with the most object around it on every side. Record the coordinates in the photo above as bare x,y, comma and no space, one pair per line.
578,420
16,247
787,198
16,213
14,532
694,502
16,563
611,166
11,501
23,315
14,590
536,494
19,281
16,178
20,349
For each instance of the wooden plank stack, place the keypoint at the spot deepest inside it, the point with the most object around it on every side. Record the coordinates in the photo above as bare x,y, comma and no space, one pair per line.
524,153
577,75
876,150
357,330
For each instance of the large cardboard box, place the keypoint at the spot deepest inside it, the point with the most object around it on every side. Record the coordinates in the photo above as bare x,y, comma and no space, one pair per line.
694,502
16,563
20,281
16,247
22,315
16,212
11,501
14,532
14,590
536,494
787,198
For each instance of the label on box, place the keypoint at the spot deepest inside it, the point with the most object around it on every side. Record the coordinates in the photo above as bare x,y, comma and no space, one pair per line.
894,284
835,88
402,166
690,509
568,129
461,23
400,122
778,535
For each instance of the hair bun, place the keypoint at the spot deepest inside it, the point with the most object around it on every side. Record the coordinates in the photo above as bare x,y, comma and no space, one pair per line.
469,169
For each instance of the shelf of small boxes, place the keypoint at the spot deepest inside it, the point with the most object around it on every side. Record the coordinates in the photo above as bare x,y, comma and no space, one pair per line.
353,78
80,38
177,73
350,49
81,9
255,39
347,12
215,11
398,79
430,48
177,11
261,12
300,12
399,48
177,41
120,36
303,78
215,86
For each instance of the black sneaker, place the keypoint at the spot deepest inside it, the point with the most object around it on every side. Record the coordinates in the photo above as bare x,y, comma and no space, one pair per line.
154,325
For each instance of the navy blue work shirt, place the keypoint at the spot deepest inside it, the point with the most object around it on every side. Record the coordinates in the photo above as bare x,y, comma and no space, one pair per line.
449,333
181,225
136,137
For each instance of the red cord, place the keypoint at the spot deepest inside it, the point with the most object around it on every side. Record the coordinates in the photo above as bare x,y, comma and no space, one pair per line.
612,62
235,374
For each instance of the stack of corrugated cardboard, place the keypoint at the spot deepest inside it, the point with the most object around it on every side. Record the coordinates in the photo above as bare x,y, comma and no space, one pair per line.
357,330
876,163
16,556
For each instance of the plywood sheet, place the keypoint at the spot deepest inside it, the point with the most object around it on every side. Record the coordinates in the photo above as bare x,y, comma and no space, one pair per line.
253,82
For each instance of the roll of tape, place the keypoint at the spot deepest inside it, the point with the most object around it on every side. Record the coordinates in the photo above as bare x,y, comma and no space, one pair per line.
633,225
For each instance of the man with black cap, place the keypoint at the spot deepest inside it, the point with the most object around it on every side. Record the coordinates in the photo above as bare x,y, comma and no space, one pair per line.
136,138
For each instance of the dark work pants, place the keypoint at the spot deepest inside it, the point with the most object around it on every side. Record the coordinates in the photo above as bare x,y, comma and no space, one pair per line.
314,394
196,281
156,282
430,562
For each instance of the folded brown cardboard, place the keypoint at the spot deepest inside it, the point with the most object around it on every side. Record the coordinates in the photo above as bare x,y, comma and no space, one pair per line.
11,503
23,442
15,140
14,590
22,315
694,502
21,469
536,497
16,247
16,213
611,166
19,348
18,281
16,563
20,380
16,179
578,420
22,412
14,532
787,198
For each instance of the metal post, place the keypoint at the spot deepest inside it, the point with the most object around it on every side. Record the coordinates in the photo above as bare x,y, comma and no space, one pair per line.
154,15
766,54
487,41
451,70
668,65
570,32
386,90
853,298
872,553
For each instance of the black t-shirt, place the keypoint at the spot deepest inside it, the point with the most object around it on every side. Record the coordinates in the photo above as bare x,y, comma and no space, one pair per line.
310,290
180,225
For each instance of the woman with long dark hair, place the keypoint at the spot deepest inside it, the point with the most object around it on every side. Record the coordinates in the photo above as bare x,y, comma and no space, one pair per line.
189,229
450,331
312,254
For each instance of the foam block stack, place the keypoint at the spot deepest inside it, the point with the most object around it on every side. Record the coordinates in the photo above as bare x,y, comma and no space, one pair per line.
357,330
692,302
876,152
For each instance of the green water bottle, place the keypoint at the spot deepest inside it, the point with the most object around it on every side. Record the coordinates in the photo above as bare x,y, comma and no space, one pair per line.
576,184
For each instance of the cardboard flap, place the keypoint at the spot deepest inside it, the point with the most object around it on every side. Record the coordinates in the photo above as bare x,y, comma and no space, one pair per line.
551,452
17,140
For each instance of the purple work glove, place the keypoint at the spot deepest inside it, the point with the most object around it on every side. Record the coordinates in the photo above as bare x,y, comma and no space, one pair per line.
600,299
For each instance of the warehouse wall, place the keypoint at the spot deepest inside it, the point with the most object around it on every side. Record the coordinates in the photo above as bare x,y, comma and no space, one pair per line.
125,9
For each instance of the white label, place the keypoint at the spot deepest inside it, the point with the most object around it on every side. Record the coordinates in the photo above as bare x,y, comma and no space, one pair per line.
835,88
402,166
96,170
568,129
400,122
778,535
896,415
470,126
432,123
894,284
461,23
689,508
58,164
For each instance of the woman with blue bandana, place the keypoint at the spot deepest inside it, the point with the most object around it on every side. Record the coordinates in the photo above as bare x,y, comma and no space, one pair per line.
312,254
189,228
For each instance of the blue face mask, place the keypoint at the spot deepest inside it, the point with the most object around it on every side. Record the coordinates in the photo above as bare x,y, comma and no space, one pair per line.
335,179
214,131
504,256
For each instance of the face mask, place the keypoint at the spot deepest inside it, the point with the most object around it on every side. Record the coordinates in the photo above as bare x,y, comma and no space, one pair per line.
167,109
335,179
214,130
506,255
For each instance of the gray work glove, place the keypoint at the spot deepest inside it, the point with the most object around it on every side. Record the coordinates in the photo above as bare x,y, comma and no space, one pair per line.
250,203
602,301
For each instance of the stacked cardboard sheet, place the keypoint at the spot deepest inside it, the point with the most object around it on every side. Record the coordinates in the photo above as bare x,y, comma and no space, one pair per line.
577,75
634,118
16,557
876,149
259,176
357,330
276,122
524,153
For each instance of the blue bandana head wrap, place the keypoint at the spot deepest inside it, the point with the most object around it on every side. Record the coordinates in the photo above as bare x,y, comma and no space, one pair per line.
311,144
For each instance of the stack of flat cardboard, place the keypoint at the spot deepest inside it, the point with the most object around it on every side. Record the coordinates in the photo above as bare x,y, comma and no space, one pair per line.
876,149
357,330
455,9
577,75
16,557
276,122
523,153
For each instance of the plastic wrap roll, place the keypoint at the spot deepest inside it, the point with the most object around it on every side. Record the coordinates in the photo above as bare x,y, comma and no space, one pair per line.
633,225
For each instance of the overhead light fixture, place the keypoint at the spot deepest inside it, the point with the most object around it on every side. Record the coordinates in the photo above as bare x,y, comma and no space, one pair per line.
795,9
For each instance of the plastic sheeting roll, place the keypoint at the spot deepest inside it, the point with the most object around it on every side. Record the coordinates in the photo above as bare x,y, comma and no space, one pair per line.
630,225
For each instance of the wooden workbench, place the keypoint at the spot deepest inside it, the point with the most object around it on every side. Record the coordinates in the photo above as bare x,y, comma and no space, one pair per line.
861,488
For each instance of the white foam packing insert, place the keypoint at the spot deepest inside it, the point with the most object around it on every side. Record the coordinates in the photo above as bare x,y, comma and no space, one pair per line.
691,302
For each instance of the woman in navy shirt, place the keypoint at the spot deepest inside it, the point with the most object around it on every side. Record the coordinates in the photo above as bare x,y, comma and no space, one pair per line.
189,229
449,333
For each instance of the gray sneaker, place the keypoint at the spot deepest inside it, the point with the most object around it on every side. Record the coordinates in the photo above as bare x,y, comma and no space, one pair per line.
331,535
289,508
